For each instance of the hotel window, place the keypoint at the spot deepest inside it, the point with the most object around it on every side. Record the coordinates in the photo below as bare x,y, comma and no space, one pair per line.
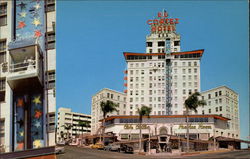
137,79
220,93
216,109
216,94
195,70
150,99
209,96
175,63
142,72
107,95
189,70
203,112
209,110
184,84
149,44
195,84
136,92
195,63
137,71
51,40
112,96
131,72
183,70
184,77
131,65
137,65
184,91
150,50
216,101
189,84
220,100
2,134
220,108
142,64
142,85
189,77
50,5
3,14
2,45
195,77
189,63
175,77
183,63
175,70
161,43
142,92
176,43
131,79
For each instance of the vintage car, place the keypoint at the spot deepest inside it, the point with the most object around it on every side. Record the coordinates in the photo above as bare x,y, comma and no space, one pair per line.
97,146
112,147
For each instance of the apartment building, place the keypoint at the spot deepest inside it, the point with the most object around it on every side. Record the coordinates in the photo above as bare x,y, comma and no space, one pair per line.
66,117
163,77
104,95
27,74
223,101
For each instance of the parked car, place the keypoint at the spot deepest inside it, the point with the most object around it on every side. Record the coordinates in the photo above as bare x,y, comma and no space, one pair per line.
59,150
97,146
112,147
127,148
61,143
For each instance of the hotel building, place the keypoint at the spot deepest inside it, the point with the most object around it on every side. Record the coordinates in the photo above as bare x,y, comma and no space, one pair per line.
223,101
27,74
102,96
67,117
163,77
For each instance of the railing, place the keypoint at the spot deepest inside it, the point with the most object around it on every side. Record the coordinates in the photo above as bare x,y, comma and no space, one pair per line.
23,66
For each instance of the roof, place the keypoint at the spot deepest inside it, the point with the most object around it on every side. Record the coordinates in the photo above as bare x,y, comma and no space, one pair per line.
156,54
167,116
221,138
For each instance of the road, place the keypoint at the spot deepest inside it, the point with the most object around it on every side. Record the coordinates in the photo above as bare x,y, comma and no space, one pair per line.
86,153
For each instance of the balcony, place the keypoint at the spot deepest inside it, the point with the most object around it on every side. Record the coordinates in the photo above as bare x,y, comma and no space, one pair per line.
25,67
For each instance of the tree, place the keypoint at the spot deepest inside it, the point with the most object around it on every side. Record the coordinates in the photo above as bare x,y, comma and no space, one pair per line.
107,107
83,124
143,111
67,126
192,103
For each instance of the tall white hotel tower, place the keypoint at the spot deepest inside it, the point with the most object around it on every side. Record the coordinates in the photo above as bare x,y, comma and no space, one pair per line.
163,77
27,74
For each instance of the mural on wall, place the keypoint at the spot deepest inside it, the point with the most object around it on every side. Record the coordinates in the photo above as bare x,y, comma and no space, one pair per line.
30,21
37,121
19,113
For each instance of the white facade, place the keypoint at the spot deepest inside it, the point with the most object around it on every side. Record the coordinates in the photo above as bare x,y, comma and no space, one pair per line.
10,80
67,117
225,102
104,95
163,77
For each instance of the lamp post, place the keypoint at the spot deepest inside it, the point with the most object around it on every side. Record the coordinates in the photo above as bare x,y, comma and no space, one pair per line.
149,148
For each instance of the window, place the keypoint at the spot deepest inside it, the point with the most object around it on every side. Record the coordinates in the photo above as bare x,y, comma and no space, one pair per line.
2,134
203,112
216,109
195,70
51,40
183,70
149,44
142,72
51,84
175,63
220,93
183,63
176,43
112,96
3,14
209,110
107,95
50,5
2,57
161,43
209,96
216,94
150,50
51,76
189,70
220,108
189,63
3,45
195,63
2,89
184,91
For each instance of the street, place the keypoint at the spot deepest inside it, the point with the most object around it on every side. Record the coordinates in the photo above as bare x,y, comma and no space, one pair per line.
87,153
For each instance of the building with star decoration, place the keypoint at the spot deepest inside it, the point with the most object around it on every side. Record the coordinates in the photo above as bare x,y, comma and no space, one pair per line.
27,74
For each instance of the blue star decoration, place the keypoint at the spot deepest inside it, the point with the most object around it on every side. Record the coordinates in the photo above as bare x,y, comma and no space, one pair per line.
37,124
22,5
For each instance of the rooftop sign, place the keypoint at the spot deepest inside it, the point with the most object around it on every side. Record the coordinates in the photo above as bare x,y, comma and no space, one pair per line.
163,23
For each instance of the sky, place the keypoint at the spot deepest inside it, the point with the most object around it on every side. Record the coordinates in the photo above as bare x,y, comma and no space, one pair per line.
92,36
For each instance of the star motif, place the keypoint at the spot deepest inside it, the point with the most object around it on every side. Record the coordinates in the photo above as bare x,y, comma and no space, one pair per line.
21,133
20,122
36,22
37,124
38,114
19,146
22,5
37,100
23,14
37,6
38,34
21,24
20,102
37,143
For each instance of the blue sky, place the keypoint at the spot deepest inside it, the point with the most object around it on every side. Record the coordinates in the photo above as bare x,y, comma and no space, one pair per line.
92,36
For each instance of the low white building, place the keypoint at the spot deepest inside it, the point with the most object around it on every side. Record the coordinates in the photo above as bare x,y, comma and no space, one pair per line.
104,95
67,117
223,101
201,126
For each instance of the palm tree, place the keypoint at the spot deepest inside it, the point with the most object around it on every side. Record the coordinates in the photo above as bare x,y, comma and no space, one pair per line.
192,103
107,107
83,124
143,111
67,126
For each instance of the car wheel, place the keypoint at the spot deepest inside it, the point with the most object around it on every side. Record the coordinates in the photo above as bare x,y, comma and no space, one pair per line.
118,150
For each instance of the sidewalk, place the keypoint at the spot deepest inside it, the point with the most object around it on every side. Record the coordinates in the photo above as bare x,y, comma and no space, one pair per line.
204,152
